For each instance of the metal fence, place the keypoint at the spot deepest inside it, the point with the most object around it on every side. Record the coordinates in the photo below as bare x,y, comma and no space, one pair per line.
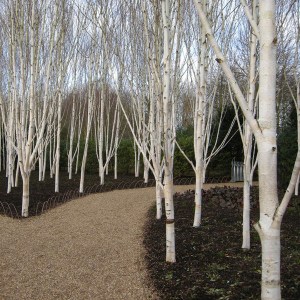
237,171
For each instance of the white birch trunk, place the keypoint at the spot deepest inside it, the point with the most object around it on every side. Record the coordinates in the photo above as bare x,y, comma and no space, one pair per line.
297,186
198,198
71,141
167,111
264,130
158,200
246,212
267,155
45,163
25,196
57,155
27,167
137,155
81,110
41,162
248,136
170,222
50,156
87,138
146,171
200,111
101,136
17,175
117,143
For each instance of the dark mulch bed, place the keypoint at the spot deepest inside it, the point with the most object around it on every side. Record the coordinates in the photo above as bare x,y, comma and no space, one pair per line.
210,262
43,197
42,191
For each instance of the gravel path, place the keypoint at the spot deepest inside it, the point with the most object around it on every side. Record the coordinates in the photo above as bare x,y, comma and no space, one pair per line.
88,248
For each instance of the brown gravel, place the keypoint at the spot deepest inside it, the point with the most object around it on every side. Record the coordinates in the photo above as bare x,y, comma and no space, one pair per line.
88,248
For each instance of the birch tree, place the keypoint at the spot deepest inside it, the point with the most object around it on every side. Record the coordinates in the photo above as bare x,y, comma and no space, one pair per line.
62,68
161,107
204,103
30,27
292,44
91,78
245,129
264,130
168,134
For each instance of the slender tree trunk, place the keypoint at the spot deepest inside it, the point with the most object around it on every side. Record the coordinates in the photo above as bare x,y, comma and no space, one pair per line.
167,128
264,130
198,197
59,112
297,186
146,171
158,200
50,156
170,222
106,169
45,163
199,127
137,162
25,195
57,154
101,135
85,151
248,135
83,164
72,132
41,163
17,175
117,143
267,155
246,212
9,168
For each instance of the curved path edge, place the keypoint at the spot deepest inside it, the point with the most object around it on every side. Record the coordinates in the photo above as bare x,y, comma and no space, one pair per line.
88,248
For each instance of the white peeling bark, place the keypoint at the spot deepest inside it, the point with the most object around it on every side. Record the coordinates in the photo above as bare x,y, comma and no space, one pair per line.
198,199
87,136
116,142
199,127
170,222
167,136
59,116
71,140
137,155
158,200
248,135
25,196
246,214
146,171
17,175
267,155
264,130
297,186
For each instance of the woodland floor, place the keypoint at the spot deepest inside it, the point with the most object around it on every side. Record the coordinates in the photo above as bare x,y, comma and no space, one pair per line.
210,262
93,248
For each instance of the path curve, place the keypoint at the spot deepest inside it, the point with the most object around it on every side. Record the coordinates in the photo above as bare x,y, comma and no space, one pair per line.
88,248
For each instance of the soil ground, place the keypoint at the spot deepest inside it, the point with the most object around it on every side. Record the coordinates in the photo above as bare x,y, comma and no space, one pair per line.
41,191
210,262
